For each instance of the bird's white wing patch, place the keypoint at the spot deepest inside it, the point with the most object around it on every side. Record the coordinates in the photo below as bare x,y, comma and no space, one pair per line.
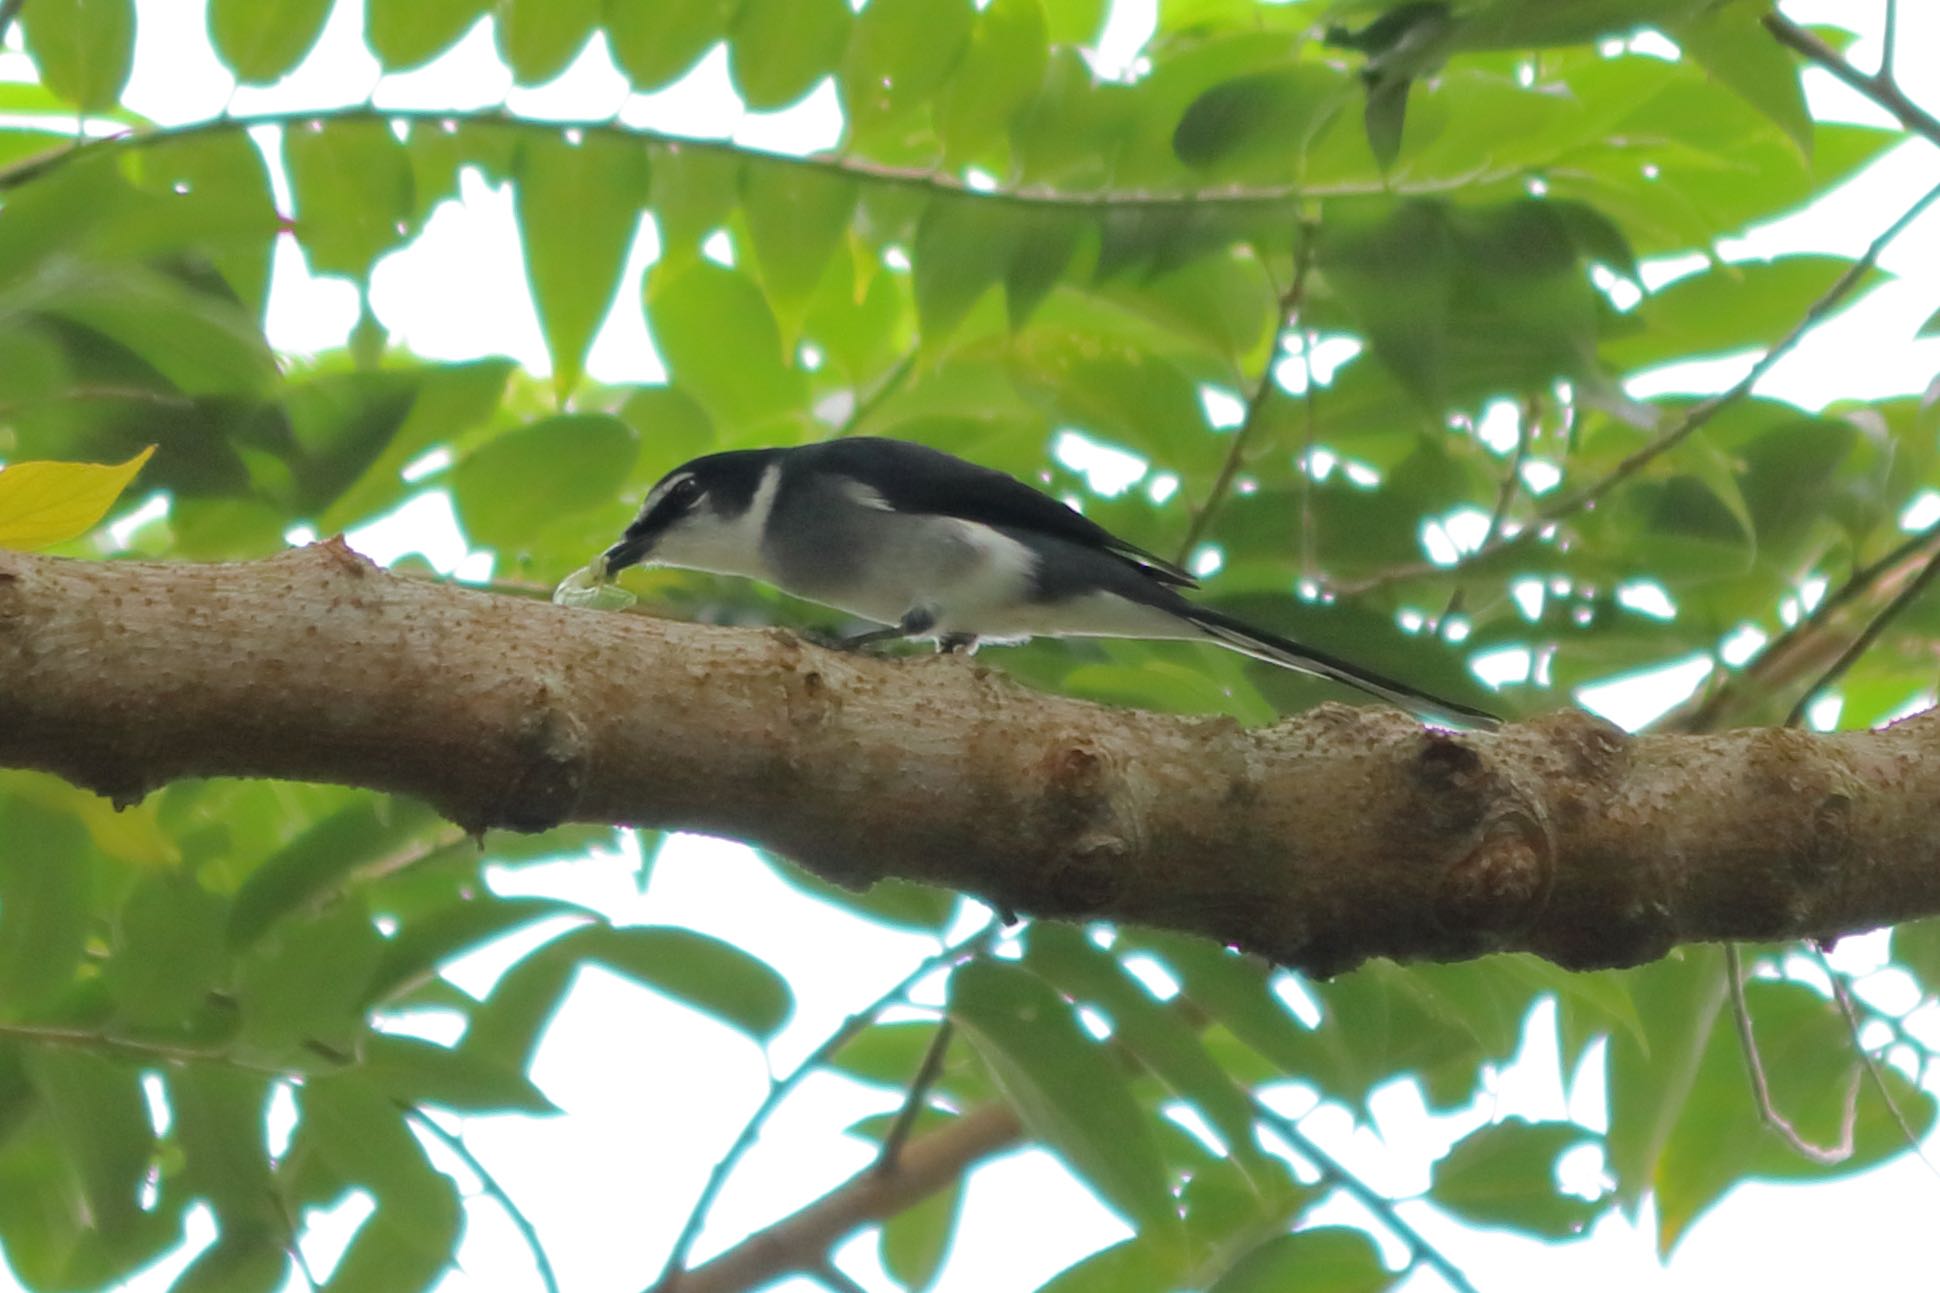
865,496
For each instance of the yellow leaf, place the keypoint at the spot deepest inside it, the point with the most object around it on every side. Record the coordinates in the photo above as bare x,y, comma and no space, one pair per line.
133,835
43,503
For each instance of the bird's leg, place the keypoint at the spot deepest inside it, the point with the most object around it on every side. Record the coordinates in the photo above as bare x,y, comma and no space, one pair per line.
916,621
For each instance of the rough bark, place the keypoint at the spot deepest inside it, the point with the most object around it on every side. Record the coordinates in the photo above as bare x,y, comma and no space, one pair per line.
1327,838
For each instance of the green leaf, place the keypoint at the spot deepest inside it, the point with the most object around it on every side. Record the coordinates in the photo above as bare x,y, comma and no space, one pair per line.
1153,1032
797,217
886,1054
1725,308
419,1073
46,874
1064,1086
451,400
354,193
361,1133
217,1119
168,948
781,48
962,248
518,483
421,946
657,41
84,49
1326,1259
578,206
250,1261
1141,1265
1505,1175
44,503
309,870
1731,43
507,1026
901,903
101,1125
1008,52
262,40
915,1240
714,977
405,33
1271,114
200,343
722,345
538,38
306,983
899,56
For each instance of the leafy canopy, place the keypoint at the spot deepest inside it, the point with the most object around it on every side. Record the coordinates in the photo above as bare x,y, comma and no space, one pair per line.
1358,289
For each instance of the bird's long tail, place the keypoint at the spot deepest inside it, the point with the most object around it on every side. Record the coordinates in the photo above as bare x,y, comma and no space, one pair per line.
1261,645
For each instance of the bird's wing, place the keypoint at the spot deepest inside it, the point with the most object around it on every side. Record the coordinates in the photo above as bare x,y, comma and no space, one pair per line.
918,478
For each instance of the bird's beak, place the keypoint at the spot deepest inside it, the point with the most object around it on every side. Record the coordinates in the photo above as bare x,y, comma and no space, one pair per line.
629,551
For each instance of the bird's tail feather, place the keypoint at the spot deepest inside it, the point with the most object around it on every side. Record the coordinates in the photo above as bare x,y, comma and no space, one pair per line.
1270,647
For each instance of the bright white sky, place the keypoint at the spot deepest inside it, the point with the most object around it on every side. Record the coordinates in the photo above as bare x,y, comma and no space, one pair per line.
653,1093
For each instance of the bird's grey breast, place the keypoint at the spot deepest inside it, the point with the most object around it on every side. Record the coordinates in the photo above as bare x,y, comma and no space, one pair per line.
834,540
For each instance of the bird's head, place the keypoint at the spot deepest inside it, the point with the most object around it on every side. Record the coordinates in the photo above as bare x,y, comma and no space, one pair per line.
703,515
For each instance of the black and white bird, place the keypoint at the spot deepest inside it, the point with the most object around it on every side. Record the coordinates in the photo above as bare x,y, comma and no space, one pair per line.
936,547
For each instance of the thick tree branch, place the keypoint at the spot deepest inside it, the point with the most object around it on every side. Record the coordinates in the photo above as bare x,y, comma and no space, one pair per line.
1330,837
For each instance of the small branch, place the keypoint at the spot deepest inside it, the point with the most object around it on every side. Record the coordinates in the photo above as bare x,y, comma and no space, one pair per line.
1794,651
936,183
1504,499
1694,418
672,1276
1335,1172
1867,636
1256,403
493,1190
1843,996
1880,87
928,1163
1889,44
1761,1091
832,1275
892,1144
139,1048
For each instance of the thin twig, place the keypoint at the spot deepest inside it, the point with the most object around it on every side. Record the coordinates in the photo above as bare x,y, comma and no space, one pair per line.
919,1088
492,1190
1841,995
1888,43
779,1088
834,1276
1785,657
936,183
1256,403
1309,433
1694,418
140,1048
1879,88
1867,636
1331,1169
1504,499
1761,1091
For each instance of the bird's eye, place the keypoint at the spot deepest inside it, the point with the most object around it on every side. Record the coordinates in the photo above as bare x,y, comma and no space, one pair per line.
685,491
